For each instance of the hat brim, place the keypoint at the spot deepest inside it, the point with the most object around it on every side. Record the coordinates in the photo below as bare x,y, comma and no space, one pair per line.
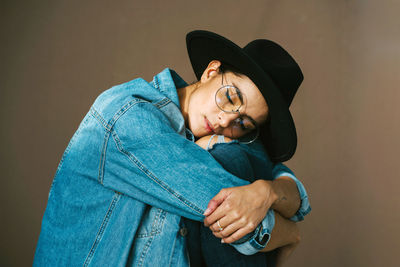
279,135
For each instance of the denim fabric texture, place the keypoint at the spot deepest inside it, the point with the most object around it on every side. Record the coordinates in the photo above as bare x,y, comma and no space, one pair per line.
125,179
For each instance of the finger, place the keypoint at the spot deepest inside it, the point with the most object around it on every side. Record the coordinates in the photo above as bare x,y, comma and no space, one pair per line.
238,234
218,234
219,213
215,227
224,210
216,201
231,228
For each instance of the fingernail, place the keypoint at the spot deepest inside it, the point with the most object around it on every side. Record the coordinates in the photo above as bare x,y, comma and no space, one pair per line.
222,241
206,212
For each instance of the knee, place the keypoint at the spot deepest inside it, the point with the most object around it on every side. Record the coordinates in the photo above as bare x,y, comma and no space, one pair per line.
234,159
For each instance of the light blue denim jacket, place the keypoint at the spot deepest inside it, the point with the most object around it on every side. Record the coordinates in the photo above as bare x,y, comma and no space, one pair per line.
126,178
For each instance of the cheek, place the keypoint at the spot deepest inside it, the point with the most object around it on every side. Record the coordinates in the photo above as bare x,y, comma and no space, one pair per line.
195,123
227,133
203,106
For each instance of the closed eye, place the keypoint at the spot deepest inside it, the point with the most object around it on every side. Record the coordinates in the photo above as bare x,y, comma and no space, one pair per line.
228,96
245,123
241,124
239,94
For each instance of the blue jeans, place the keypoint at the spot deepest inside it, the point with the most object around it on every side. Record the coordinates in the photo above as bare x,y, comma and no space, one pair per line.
210,251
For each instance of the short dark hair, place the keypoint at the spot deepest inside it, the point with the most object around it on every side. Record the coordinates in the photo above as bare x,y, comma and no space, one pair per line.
226,67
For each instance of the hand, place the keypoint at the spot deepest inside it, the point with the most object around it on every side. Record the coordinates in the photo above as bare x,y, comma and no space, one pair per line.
203,141
239,209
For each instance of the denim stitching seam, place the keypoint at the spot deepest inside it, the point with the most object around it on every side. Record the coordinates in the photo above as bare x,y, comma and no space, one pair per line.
156,83
145,250
158,224
153,230
122,111
103,157
108,126
134,160
100,233
99,118
162,103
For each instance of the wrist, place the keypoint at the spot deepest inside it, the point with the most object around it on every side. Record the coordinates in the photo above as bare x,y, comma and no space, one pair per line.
278,193
268,191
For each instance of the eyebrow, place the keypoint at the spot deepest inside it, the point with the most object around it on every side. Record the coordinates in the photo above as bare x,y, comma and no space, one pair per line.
241,98
252,121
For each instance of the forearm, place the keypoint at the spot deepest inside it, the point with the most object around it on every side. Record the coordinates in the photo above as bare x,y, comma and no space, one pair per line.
291,194
288,200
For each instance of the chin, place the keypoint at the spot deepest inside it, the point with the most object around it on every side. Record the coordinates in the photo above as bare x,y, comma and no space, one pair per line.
198,132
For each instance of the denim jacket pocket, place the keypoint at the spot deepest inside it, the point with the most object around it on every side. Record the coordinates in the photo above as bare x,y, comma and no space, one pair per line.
152,222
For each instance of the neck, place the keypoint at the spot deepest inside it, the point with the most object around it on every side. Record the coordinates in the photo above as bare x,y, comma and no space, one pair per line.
184,94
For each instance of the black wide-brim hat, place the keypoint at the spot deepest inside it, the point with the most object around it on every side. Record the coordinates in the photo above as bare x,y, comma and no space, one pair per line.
272,70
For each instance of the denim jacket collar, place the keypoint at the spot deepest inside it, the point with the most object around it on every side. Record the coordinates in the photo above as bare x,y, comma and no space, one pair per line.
168,80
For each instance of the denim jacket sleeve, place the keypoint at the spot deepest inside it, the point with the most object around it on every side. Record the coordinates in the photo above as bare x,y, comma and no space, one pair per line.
147,160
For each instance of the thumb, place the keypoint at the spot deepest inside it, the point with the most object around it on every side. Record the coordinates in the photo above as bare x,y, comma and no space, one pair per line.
216,201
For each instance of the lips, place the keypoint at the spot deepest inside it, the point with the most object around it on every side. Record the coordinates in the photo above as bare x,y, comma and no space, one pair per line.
209,128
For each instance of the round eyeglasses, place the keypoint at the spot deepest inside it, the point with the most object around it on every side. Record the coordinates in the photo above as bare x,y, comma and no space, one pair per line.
230,99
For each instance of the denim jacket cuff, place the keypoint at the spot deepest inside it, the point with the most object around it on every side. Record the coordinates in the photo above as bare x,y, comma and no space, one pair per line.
305,207
258,239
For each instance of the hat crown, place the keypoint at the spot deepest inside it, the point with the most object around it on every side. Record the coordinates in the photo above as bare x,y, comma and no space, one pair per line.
278,64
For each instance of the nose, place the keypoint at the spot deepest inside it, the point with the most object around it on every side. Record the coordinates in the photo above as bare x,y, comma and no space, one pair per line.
225,118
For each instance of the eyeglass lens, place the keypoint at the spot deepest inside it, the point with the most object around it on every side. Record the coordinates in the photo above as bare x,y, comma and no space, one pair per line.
229,99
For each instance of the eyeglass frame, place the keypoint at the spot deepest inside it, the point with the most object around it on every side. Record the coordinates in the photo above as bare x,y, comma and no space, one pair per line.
237,111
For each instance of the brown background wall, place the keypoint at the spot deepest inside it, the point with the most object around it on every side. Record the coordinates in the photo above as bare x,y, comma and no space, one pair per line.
57,56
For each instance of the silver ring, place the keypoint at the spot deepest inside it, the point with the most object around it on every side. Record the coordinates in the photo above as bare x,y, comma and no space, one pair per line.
220,227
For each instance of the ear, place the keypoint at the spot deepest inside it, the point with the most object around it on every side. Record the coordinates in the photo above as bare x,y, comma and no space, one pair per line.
211,70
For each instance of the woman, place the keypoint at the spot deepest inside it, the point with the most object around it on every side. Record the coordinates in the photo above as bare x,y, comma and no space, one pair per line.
247,161
132,170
